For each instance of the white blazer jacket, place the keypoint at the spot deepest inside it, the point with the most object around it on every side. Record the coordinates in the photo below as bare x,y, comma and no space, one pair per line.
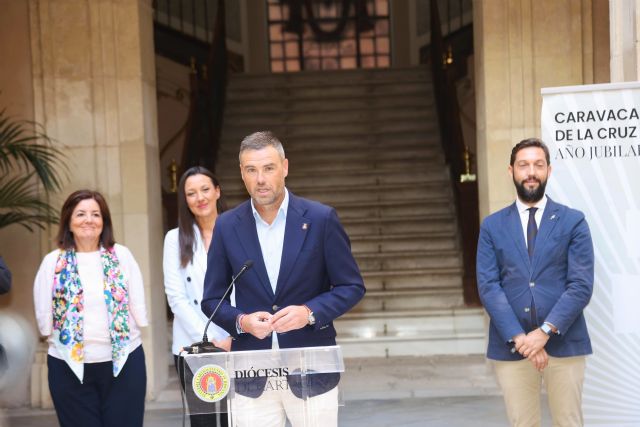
184,287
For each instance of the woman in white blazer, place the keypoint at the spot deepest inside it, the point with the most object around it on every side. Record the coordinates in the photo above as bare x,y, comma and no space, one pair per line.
185,264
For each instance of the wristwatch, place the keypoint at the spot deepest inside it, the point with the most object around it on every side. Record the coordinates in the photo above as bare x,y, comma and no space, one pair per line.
546,329
311,319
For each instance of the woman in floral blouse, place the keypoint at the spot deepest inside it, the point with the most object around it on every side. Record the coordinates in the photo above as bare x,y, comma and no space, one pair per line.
89,303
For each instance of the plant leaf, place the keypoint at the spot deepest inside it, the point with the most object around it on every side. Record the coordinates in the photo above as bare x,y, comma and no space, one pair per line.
30,149
21,204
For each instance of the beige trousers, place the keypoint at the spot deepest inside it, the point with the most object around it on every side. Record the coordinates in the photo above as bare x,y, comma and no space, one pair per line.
273,407
521,386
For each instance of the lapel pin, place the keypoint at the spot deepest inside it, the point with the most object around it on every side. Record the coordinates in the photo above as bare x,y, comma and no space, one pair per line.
305,226
553,216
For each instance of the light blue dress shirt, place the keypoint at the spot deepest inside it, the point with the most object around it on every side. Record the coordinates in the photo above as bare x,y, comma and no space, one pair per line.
271,237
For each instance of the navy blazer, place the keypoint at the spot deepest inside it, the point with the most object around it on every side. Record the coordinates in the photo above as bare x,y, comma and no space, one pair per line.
558,278
317,269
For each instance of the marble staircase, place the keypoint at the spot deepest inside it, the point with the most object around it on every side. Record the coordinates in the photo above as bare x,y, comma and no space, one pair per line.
366,142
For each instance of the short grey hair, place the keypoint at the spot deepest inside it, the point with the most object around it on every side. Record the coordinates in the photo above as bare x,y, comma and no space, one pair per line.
260,140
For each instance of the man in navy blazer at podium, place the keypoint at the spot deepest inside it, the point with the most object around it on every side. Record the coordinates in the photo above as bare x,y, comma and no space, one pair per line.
303,277
535,277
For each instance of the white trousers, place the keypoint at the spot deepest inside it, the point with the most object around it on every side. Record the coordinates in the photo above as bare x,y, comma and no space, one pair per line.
273,407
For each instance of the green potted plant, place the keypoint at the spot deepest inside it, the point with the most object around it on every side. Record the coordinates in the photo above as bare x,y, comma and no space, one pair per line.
28,162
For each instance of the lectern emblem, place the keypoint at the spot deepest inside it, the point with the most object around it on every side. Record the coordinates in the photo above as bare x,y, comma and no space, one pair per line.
211,383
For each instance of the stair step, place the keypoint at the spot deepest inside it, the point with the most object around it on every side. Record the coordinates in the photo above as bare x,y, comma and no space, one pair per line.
232,183
433,281
450,276
320,106
345,77
410,299
329,129
434,240
381,193
306,118
357,209
341,179
395,261
394,227
319,158
400,224
376,139
357,144
419,332
364,165
401,218
400,316
410,322
461,342
350,209
332,163
361,210
382,204
328,91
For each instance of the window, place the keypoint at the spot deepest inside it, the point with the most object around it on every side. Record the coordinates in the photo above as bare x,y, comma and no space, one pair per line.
328,40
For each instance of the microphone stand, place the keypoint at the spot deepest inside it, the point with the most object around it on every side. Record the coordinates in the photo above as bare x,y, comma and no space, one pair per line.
205,346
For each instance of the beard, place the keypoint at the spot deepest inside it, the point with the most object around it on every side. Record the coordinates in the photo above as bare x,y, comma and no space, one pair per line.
533,195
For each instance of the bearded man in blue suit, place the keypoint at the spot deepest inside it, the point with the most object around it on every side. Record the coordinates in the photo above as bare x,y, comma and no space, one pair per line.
303,277
535,271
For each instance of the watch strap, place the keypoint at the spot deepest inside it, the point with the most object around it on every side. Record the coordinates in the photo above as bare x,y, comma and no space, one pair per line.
546,329
311,319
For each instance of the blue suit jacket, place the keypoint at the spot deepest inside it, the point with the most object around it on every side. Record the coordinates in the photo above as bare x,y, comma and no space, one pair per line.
317,269
559,279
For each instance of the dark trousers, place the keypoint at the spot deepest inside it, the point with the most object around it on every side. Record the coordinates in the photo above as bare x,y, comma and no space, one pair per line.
100,400
199,420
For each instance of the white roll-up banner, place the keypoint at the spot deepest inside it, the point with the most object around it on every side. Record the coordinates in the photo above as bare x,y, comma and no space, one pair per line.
593,134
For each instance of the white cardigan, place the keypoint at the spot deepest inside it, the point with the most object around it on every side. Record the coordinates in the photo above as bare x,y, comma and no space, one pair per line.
184,288
94,351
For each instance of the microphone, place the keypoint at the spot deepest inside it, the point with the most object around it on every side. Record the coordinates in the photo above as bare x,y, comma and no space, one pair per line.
205,346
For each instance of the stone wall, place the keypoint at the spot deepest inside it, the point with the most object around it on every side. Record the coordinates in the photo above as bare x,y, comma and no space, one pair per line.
85,70
520,47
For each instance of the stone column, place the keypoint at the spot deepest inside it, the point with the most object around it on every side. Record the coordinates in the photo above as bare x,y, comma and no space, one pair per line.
95,92
522,46
19,248
624,30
